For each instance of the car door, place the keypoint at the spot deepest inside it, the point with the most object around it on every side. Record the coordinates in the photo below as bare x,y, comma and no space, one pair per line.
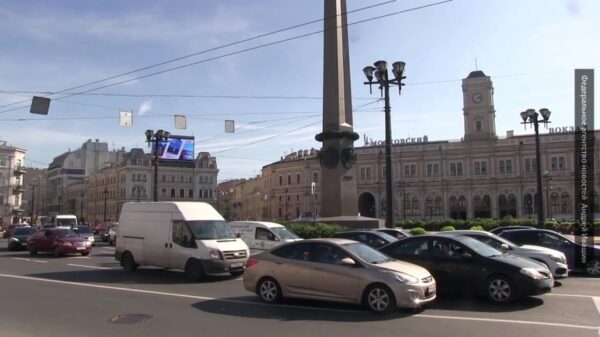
46,242
292,269
182,247
415,250
454,266
331,279
551,240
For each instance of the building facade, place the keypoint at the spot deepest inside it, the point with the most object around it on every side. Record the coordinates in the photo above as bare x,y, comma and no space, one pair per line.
483,175
12,169
131,180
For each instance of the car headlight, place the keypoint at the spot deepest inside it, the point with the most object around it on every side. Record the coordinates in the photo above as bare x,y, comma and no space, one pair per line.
531,272
215,255
13,239
557,258
402,277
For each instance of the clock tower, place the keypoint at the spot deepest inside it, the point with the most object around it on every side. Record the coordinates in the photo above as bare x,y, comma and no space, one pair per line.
478,107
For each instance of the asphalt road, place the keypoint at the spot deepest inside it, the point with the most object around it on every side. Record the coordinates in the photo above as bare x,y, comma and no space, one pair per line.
92,296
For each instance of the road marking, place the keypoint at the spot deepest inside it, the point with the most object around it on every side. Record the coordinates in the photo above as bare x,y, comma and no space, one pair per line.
86,266
571,295
108,251
596,300
152,292
29,260
79,257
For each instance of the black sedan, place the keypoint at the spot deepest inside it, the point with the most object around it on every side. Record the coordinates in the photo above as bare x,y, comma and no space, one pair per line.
18,239
460,263
371,238
574,251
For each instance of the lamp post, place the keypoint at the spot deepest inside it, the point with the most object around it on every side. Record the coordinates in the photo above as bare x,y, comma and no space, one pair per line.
105,193
155,138
285,213
35,183
81,208
381,74
530,116
548,179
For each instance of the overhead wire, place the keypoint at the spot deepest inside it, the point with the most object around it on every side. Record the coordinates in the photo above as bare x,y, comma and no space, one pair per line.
240,52
204,52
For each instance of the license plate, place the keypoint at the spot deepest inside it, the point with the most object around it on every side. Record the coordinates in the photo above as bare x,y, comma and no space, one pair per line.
80,248
236,265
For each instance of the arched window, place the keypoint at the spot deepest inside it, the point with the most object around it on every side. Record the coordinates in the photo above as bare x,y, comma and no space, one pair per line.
565,203
439,206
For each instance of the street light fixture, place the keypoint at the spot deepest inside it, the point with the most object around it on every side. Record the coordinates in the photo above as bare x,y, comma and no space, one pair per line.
530,116
105,193
381,74
156,138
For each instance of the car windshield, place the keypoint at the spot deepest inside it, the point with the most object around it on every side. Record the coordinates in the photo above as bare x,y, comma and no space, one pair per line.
480,247
285,233
24,230
366,253
211,229
66,222
64,233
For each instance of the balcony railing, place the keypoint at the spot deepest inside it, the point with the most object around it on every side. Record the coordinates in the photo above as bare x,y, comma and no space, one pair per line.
18,189
20,170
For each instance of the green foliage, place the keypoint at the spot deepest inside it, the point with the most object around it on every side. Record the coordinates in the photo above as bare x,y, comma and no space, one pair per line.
418,231
476,228
448,228
310,231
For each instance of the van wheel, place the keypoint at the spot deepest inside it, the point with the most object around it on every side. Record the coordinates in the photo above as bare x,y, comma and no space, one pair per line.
128,262
194,270
237,273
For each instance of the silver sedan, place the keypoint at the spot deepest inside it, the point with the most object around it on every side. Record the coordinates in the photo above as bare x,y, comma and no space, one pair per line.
338,270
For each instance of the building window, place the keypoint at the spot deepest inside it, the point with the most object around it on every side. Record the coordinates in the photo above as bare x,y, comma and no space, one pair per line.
297,179
433,170
558,163
289,181
172,193
478,126
456,169
164,192
480,167
3,161
316,177
530,165
505,166
181,193
280,180
164,178
205,194
410,170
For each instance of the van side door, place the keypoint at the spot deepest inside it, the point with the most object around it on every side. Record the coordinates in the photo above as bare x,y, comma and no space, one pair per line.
182,246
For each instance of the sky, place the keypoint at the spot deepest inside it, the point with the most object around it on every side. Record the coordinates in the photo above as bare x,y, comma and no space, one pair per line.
235,60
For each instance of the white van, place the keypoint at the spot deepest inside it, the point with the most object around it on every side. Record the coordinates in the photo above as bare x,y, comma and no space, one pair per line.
261,235
190,236
65,220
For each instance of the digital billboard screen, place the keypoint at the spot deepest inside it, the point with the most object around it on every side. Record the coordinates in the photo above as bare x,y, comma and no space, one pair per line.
176,148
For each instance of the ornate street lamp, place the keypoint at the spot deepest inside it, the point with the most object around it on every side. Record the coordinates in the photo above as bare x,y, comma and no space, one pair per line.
381,74
530,116
155,138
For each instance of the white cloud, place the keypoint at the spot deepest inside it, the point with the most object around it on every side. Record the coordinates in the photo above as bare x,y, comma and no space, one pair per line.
144,107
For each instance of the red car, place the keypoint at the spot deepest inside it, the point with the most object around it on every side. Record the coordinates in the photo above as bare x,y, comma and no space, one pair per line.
59,241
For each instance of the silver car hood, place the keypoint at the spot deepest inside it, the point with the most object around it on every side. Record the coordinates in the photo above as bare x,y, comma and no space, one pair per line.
404,267
540,249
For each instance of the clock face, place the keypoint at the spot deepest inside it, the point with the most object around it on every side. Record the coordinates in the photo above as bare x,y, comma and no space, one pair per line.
477,98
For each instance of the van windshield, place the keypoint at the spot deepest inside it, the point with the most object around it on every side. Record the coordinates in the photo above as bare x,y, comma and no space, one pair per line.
211,229
284,233
66,222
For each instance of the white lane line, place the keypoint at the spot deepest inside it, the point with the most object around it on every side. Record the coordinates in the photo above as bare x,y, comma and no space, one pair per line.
108,251
571,295
596,300
152,292
91,267
510,321
29,260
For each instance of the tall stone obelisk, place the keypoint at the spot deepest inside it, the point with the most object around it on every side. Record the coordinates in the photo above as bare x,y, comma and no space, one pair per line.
337,157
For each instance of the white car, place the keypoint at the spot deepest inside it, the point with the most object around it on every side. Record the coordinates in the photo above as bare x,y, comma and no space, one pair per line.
553,259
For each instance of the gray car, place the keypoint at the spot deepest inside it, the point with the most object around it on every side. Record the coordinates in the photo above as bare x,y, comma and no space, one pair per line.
338,270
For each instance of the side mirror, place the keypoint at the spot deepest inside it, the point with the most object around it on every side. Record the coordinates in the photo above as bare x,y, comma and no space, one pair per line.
237,235
504,247
348,262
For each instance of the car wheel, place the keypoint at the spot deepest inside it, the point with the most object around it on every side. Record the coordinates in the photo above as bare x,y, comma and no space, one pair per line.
500,290
85,253
194,270
56,252
379,299
32,250
593,268
128,262
269,290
